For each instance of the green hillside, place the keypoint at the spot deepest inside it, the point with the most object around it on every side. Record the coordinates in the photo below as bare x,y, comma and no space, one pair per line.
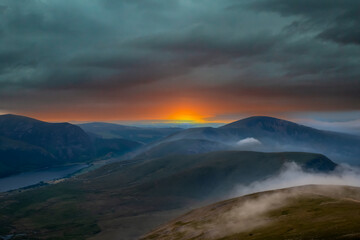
103,200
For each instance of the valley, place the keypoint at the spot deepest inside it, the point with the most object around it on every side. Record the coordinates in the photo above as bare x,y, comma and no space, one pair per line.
28,179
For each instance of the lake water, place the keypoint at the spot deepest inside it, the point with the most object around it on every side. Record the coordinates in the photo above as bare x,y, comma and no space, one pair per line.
31,178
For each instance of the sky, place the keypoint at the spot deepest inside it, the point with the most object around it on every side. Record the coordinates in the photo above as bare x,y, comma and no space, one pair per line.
181,60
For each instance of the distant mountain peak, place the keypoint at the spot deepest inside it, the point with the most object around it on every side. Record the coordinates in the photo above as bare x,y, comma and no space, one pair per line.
260,121
13,117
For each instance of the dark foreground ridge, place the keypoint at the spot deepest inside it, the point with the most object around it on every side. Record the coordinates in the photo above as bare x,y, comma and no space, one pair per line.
306,212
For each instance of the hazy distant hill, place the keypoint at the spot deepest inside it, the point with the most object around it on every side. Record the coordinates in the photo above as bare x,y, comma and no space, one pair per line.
113,198
112,147
279,135
138,134
182,146
307,212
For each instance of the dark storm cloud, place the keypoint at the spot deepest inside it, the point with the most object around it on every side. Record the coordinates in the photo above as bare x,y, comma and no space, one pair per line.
80,51
336,20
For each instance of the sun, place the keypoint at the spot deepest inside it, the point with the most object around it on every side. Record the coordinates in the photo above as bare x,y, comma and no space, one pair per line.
186,116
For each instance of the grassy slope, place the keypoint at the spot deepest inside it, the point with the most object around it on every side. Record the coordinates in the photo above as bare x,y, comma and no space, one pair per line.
55,211
313,212
77,207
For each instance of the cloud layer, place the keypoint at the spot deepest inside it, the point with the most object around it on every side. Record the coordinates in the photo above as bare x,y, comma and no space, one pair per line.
125,59
248,143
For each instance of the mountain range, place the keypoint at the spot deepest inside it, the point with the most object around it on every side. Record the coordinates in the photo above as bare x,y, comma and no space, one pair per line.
28,144
270,135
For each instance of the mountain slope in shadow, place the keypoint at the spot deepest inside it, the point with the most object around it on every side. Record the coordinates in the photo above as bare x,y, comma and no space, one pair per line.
28,144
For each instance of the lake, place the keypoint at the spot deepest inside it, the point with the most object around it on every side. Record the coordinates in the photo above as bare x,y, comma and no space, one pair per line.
31,178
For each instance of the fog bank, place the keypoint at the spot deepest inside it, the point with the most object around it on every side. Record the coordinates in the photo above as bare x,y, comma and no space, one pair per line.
293,175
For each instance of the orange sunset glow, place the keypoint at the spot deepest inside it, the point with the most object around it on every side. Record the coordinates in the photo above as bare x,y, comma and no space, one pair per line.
184,116
199,111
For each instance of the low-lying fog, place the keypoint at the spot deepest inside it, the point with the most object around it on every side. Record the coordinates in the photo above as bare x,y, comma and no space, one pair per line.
249,213
293,175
